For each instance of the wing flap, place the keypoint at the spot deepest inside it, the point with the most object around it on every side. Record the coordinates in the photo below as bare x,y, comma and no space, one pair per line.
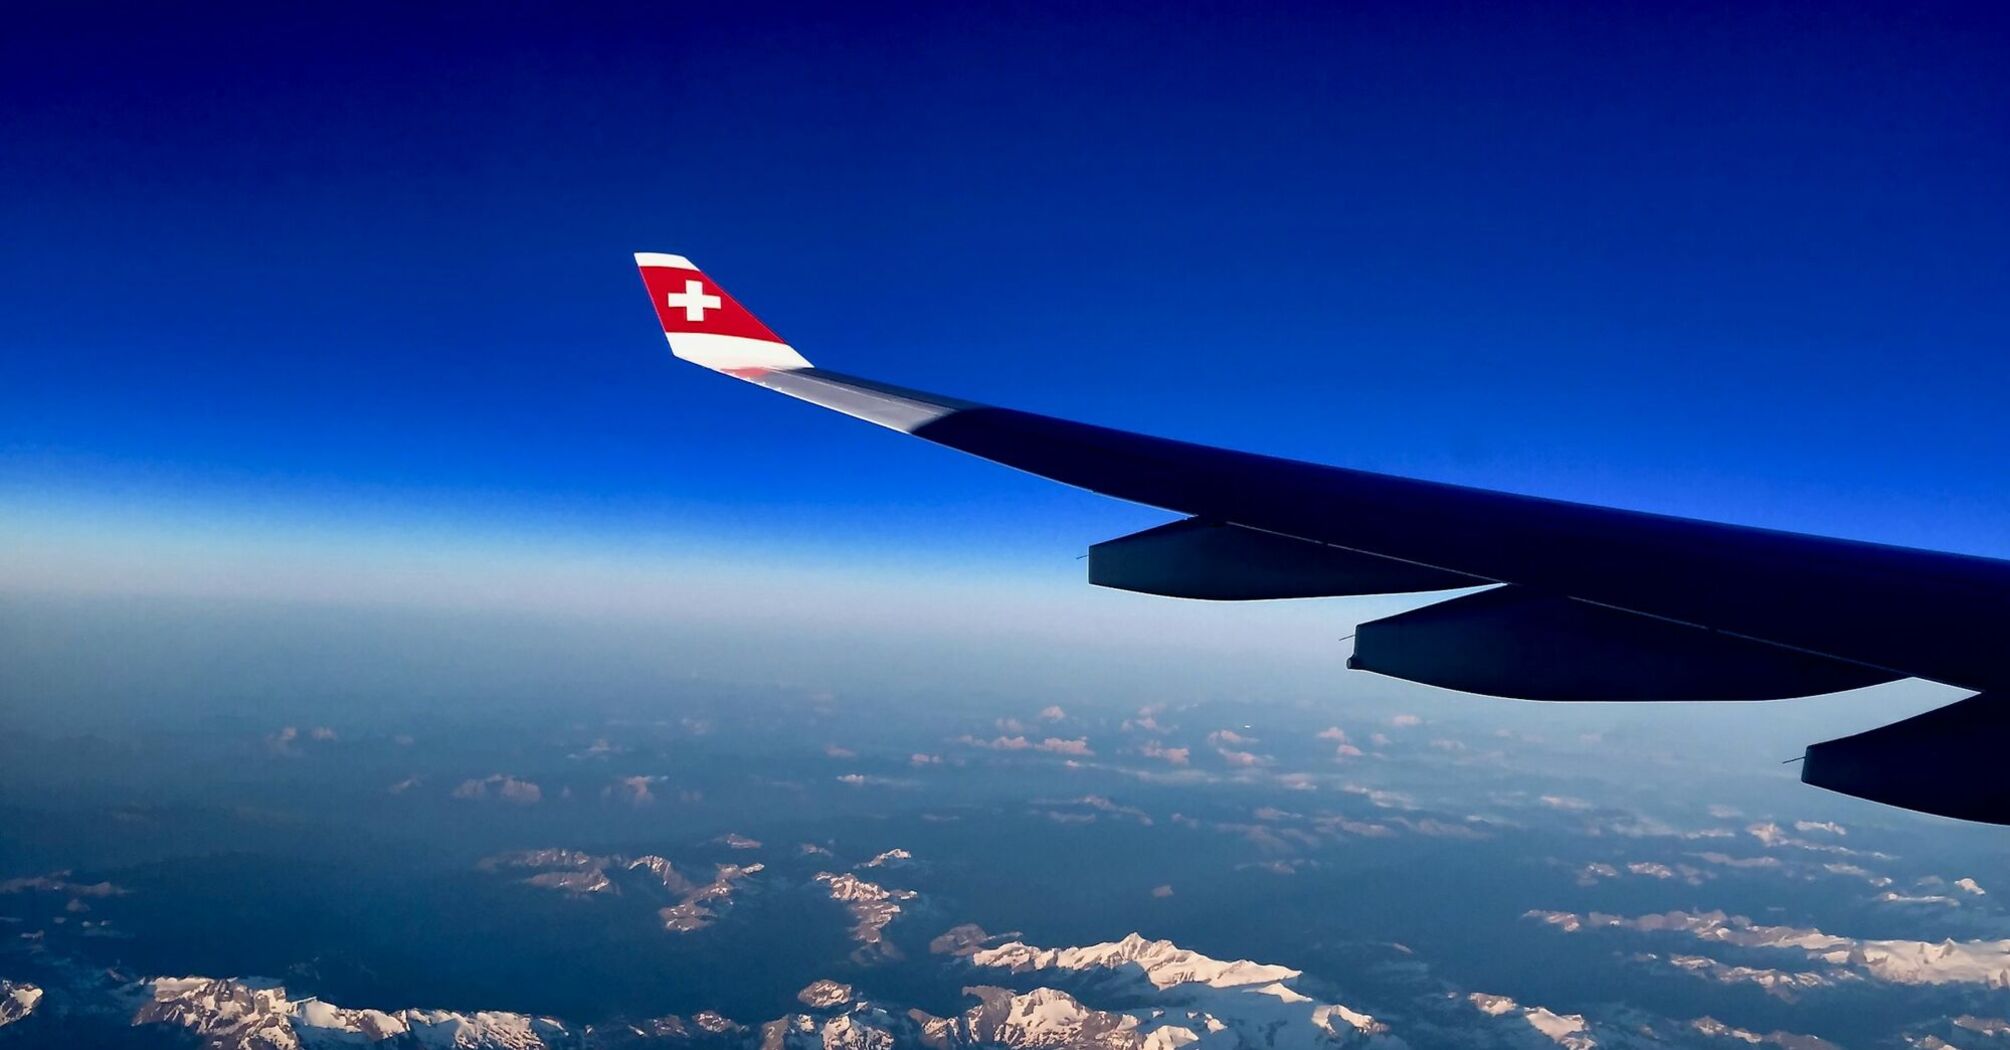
1948,762
1219,562
1524,645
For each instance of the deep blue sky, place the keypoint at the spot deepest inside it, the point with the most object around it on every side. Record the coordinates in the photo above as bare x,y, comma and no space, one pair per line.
1749,263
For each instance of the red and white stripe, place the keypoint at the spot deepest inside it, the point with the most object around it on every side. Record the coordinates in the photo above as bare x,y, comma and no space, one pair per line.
706,326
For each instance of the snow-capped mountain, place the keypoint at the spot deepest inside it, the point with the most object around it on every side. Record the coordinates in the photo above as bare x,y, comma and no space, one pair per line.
260,1015
702,904
17,1001
872,907
693,905
1894,961
1569,1031
1196,999
1163,963
1048,1019
250,1014
822,995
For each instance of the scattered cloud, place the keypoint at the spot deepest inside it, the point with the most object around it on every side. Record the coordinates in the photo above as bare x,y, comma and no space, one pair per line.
631,790
502,787
1003,743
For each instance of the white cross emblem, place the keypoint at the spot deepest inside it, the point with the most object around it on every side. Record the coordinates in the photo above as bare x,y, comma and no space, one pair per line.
694,301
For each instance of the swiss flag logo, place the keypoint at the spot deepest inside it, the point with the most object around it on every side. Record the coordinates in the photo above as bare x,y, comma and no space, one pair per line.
688,301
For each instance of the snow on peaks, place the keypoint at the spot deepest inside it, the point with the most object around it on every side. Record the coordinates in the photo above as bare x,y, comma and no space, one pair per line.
872,907
822,995
889,859
1566,1030
17,1001
231,1014
702,904
1893,961
692,905
249,1014
1163,963
1045,1017
1198,1000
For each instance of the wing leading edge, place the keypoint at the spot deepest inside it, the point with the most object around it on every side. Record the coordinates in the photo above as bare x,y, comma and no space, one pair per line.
1649,607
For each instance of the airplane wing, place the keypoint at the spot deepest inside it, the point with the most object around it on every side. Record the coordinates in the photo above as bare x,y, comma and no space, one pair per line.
1580,602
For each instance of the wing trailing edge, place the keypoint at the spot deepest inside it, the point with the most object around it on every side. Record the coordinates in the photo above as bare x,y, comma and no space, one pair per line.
1220,562
1524,645
1948,762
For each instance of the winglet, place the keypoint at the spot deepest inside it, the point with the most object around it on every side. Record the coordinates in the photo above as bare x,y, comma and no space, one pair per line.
706,326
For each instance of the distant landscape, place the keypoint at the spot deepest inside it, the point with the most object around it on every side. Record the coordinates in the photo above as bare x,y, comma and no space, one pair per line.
693,863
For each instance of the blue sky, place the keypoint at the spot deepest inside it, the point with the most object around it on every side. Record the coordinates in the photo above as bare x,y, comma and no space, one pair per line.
305,272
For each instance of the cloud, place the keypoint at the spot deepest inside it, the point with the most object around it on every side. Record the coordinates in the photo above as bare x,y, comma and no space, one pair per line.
1162,891
1346,751
919,759
502,787
1889,897
1147,719
1728,861
1969,886
1229,738
631,790
1333,733
1380,798
1052,713
869,780
1406,721
1077,746
1003,743
835,751
1177,756
1242,759
322,733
